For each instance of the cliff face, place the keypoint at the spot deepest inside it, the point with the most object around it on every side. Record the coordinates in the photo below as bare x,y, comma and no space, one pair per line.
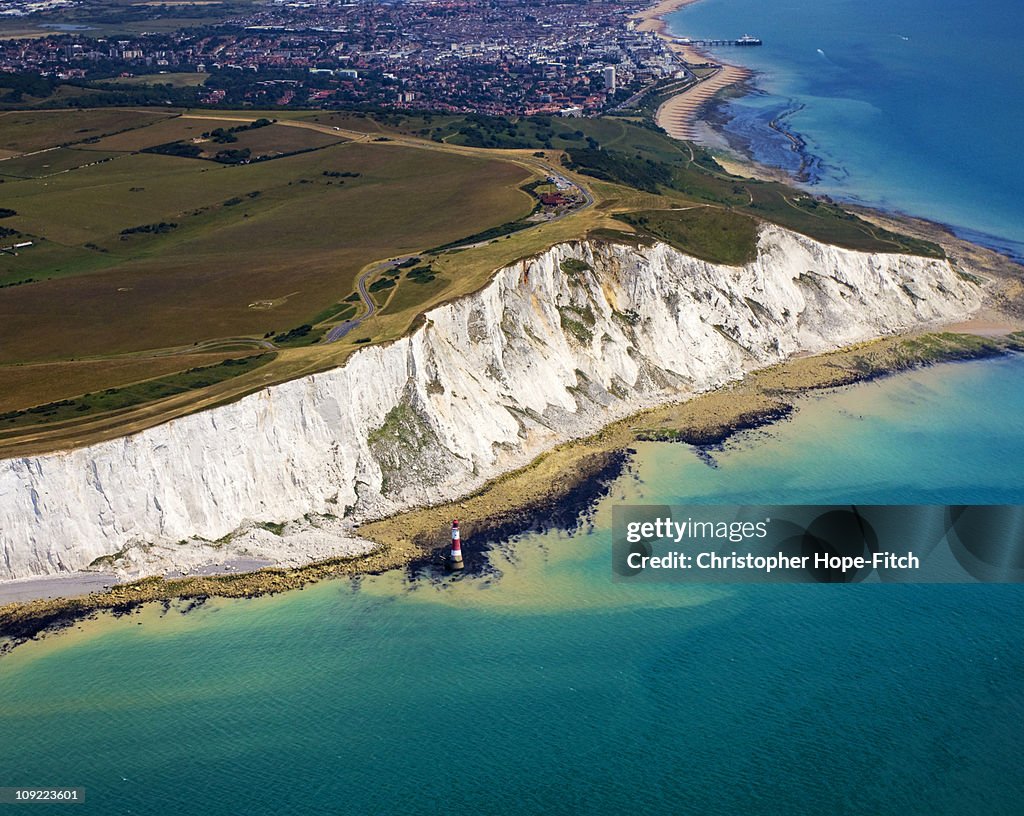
553,348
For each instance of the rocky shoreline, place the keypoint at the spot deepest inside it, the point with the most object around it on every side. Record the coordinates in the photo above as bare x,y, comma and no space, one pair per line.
716,435
560,507
551,492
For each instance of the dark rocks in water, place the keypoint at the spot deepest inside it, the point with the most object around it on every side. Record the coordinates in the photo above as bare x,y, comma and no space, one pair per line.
706,456
194,603
122,609
714,435
566,509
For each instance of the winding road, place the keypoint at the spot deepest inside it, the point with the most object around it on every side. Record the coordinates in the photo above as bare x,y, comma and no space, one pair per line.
342,329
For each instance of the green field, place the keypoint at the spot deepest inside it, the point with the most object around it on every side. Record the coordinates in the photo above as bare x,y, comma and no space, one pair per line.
174,79
25,131
277,139
700,180
180,259
232,143
118,399
206,135
171,129
150,251
52,161
712,234
39,383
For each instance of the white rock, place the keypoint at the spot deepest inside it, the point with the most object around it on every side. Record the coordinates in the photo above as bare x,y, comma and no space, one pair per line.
536,357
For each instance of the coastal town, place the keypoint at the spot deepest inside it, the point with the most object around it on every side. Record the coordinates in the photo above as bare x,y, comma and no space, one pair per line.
497,57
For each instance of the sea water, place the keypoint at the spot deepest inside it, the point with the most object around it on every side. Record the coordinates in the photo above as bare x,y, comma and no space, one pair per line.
913,105
546,687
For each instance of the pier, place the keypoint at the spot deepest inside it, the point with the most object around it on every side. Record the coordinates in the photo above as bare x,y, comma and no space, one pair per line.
746,39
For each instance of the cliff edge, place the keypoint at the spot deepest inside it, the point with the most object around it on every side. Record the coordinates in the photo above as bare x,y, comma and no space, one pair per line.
553,348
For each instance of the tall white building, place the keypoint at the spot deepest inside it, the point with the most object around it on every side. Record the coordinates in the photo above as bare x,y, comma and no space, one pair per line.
609,77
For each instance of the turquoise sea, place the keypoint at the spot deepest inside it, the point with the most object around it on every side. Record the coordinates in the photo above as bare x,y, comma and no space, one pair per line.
912,105
547,688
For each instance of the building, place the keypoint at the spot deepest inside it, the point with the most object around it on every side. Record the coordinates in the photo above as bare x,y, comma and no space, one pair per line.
609,78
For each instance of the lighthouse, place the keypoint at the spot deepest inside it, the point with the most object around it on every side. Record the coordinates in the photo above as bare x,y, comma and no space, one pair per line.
455,560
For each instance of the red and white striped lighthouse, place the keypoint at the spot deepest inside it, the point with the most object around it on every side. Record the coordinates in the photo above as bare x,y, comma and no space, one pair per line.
455,561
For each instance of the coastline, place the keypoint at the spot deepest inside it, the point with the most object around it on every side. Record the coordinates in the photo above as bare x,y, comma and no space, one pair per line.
652,19
550,492
571,476
678,115
681,117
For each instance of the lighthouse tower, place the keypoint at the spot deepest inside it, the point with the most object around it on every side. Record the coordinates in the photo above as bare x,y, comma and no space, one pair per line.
455,560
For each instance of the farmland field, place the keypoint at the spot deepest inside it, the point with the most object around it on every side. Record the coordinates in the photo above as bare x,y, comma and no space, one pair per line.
142,265
277,139
265,141
177,79
168,130
50,162
36,384
25,131
278,231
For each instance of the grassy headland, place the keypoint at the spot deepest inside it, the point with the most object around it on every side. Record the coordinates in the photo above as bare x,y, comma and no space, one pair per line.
175,254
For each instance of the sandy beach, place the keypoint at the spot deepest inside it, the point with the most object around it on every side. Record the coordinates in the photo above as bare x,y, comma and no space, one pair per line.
678,115
652,19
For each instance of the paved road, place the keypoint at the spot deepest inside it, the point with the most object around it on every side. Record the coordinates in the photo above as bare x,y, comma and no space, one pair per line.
342,329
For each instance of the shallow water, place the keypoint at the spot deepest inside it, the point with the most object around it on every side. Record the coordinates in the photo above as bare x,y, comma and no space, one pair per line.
548,688
913,106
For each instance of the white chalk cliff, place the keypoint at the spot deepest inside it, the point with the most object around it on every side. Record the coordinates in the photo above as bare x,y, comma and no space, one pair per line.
545,352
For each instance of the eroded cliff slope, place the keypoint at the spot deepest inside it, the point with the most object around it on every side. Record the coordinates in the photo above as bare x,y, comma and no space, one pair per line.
553,348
